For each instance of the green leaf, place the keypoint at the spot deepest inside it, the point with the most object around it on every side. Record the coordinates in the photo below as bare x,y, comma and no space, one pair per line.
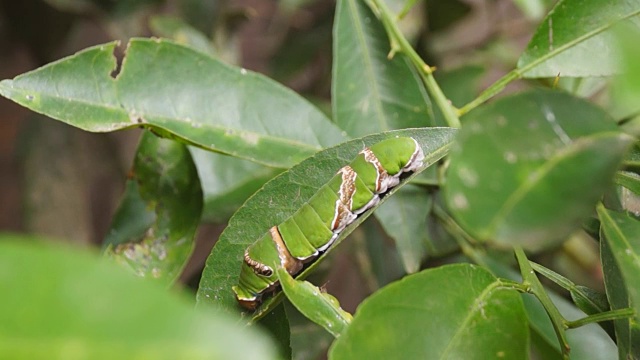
620,252
227,182
528,169
573,39
404,218
177,92
625,88
319,307
628,179
451,312
370,92
282,197
153,230
61,303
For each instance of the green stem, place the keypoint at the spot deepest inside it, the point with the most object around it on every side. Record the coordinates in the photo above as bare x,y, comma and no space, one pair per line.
603,316
400,44
536,288
517,73
492,90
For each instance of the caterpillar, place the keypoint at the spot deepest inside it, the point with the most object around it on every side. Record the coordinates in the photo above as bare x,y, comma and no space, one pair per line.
310,231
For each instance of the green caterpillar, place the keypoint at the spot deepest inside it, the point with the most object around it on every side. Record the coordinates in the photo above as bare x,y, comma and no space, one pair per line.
309,232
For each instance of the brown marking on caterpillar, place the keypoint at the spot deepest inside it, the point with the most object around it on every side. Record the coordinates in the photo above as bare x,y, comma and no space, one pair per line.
258,267
342,212
382,178
287,261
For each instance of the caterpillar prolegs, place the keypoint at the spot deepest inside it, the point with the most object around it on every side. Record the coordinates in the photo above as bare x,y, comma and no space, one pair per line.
309,232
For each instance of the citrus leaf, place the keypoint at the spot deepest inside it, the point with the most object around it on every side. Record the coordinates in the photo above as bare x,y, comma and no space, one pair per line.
372,93
451,312
321,308
177,92
573,40
620,252
65,304
529,168
153,230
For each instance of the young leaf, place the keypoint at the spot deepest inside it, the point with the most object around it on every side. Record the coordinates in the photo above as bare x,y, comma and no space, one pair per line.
62,304
528,169
372,93
153,230
620,252
177,92
282,197
321,308
451,312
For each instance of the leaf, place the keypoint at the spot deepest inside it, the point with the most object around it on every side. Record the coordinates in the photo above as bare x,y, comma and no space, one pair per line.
451,312
528,169
620,252
177,92
370,92
573,40
279,199
153,230
62,304
404,218
227,182
321,308
625,88
628,179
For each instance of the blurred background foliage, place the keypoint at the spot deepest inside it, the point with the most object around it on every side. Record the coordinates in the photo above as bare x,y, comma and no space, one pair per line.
65,183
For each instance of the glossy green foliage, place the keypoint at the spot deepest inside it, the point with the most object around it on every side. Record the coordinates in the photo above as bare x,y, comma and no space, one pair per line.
281,198
575,39
370,92
319,307
60,303
179,93
154,229
452,312
620,252
528,169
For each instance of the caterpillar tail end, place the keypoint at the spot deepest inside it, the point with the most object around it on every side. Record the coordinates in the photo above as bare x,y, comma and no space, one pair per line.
248,301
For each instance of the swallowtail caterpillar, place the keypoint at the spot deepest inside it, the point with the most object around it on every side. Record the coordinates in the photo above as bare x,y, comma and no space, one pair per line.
303,237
